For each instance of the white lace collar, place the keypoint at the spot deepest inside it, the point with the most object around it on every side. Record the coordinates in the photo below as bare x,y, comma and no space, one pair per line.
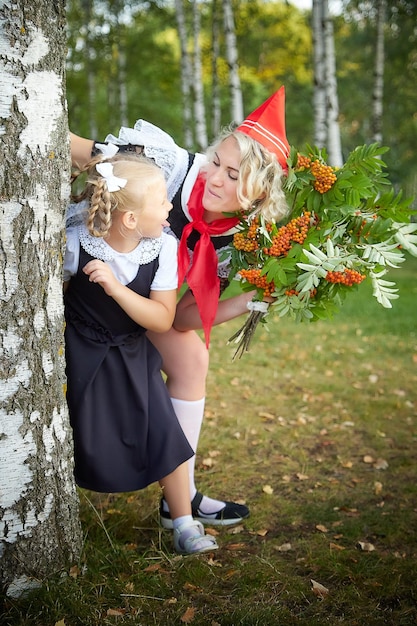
146,251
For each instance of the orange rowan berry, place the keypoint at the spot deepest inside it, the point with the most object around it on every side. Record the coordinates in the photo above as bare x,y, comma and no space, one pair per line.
324,175
253,276
295,231
303,162
347,277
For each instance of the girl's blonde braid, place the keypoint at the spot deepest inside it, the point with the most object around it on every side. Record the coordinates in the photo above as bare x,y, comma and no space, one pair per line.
99,216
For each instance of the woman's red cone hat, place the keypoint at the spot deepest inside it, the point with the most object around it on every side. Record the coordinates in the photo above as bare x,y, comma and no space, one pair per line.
267,126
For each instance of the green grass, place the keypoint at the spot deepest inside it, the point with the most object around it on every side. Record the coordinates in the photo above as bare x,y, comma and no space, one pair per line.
315,412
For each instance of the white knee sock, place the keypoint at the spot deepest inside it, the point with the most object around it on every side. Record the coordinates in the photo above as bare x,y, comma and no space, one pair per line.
190,416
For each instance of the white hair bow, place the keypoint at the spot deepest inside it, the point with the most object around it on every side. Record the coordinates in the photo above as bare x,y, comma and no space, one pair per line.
113,182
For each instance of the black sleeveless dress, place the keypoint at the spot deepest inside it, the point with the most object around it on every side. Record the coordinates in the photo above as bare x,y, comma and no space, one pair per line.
126,433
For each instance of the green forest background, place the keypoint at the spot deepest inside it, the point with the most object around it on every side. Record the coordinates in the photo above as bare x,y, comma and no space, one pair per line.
274,41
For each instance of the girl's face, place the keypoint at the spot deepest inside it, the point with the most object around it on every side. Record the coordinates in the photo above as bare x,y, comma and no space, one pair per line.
220,192
152,217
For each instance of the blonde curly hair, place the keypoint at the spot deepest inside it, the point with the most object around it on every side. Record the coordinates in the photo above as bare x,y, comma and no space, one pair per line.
260,177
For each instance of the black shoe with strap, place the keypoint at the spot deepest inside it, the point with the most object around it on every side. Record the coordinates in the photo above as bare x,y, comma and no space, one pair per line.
229,515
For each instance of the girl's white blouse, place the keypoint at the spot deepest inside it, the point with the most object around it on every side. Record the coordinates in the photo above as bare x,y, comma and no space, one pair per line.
125,265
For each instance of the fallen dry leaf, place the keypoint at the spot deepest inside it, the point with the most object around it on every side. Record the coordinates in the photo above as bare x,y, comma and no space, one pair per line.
116,612
381,464
153,568
267,417
368,458
321,528
236,530
261,533
335,546
267,489
302,476
188,616
60,623
284,547
365,546
318,589
236,546
377,488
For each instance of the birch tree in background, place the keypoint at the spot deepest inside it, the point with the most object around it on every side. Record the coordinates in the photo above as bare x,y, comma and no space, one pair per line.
199,107
232,62
319,93
378,91
215,87
118,87
186,75
39,525
326,104
334,145
88,10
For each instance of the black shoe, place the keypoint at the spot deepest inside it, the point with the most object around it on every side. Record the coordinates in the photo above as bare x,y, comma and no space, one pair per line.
231,514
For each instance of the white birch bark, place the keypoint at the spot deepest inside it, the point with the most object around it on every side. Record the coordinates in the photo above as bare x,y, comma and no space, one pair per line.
88,8
186,75
233,64
199,108
121,63
334,147
215,87
378,91
39,524
319,94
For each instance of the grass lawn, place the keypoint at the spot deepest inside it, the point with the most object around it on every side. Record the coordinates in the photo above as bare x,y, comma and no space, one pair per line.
316,430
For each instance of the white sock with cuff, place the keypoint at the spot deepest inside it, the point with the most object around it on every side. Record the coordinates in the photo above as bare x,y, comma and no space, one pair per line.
190,414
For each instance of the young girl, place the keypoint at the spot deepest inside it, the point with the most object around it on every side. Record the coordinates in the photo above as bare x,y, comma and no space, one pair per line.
242,170
120,279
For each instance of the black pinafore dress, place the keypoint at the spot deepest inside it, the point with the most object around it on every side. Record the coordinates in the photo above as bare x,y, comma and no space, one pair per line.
126,433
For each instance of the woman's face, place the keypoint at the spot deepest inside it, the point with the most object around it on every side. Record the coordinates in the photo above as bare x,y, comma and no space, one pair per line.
220,192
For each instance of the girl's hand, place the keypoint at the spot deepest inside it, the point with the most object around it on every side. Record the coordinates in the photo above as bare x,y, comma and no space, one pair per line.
99,272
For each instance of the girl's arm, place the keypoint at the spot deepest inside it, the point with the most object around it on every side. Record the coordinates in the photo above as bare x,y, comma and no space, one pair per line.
80,150
187,316
154,313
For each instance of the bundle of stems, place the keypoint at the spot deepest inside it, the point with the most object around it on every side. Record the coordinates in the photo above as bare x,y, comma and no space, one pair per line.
244,335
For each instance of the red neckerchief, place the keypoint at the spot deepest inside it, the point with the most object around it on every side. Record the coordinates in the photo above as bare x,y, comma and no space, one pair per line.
201,275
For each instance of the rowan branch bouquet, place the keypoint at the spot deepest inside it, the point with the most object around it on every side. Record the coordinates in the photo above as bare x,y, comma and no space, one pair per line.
345,225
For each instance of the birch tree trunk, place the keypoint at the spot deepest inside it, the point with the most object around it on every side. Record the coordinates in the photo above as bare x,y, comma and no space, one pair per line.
319,95
215,88
325,99
378,92
199,108
232,61
88,8
186,74
334,146
39,524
